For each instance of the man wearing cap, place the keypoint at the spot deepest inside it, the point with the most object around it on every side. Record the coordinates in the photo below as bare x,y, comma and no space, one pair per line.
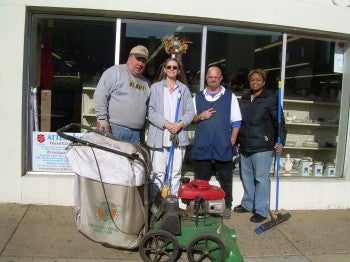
121,97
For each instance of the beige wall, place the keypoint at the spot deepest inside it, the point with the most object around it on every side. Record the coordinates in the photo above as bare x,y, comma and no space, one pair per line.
324,15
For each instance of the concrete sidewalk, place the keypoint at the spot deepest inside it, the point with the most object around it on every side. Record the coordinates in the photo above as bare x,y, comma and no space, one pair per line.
48,233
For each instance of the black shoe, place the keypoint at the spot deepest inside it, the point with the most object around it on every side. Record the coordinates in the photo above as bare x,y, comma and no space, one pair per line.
256,218
227,213
240,209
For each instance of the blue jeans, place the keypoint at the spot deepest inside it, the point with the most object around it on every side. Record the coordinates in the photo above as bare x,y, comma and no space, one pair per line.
126,134
255,176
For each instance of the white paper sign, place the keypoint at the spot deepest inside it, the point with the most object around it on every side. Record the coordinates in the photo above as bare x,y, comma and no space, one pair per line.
338,57
48,152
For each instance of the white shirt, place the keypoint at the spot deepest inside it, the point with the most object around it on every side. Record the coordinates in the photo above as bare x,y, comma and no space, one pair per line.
170,102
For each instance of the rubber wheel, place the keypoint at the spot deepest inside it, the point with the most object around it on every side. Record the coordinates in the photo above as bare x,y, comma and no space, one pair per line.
159,245
206,247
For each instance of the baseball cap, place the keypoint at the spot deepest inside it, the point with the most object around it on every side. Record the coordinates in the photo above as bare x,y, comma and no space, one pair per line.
140,51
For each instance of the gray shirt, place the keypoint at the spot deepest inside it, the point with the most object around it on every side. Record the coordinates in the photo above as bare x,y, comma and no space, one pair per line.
122,98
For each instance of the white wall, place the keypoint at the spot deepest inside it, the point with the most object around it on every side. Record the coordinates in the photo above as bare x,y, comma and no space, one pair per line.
11,71
294,194
320,15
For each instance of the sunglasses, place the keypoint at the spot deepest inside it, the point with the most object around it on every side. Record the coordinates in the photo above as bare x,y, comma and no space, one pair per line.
171,67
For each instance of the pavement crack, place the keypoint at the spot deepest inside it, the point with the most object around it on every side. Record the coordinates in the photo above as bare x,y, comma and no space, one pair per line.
15,229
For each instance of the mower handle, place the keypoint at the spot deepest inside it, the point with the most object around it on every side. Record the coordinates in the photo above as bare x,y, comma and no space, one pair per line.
61,131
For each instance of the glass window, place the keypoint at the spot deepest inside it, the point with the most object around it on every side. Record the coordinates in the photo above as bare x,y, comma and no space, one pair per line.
151,35
310,72
65,54
312,106
68,55
236,51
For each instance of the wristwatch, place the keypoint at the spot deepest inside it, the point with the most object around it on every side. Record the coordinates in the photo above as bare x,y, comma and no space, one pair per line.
200,117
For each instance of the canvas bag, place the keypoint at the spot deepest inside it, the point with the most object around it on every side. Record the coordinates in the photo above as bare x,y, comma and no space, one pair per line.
126,224
122,181
114,168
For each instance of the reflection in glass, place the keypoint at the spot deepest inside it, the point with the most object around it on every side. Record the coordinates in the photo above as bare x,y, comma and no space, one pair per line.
310,73
151,34
67,53
236,51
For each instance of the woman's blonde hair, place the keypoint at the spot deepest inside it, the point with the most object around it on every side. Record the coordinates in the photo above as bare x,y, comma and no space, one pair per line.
180,76
257,71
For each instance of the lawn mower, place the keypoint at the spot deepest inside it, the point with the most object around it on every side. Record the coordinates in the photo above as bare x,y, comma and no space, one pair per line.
199,230
112,204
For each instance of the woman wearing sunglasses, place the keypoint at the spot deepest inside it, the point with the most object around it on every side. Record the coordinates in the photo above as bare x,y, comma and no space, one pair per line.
170,97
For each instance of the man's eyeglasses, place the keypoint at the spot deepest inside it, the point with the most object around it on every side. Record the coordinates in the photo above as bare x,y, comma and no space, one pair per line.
171,67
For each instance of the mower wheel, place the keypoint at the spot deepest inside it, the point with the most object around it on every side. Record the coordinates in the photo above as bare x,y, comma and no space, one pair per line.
159,245
206,247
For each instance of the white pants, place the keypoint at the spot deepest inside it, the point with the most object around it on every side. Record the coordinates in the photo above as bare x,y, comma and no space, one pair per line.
159,162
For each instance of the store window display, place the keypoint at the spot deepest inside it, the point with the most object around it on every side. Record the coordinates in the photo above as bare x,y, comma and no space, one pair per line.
68,55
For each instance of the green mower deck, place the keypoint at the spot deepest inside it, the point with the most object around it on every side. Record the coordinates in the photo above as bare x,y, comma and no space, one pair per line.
207,239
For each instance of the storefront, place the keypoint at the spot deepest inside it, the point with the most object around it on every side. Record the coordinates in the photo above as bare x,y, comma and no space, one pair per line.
53,56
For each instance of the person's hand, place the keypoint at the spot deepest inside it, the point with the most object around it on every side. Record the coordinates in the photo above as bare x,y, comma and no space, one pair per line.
174,127
169,125
177,126
207,113
103,126
278,148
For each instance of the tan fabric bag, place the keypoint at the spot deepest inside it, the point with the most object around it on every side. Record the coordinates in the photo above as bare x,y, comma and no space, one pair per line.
120,223
108,204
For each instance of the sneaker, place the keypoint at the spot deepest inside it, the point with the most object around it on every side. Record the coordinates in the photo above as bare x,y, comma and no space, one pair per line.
256,218
240,209
227,213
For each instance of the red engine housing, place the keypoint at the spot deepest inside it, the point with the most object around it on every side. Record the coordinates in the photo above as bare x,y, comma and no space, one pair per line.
200,188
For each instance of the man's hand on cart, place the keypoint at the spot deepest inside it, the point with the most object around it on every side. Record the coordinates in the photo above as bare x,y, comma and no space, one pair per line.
103,126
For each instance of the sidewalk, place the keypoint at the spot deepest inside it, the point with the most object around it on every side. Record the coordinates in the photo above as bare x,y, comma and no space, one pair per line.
48,233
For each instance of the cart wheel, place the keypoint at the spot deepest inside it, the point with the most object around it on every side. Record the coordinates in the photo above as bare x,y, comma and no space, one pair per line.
206,247
159,245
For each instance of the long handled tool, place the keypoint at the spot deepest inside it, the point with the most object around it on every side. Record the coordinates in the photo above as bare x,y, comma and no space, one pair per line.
165,191
276,217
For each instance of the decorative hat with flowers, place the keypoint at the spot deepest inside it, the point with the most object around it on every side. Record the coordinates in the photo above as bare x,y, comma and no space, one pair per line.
175,45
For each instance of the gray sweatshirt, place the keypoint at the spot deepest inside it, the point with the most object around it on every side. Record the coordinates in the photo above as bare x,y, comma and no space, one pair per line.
122,98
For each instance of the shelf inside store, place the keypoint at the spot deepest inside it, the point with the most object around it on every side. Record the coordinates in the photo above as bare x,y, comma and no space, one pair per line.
296,173
310,124
302,100
91,88
310,148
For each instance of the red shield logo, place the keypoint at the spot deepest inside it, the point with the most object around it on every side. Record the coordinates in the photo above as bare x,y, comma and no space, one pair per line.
40,138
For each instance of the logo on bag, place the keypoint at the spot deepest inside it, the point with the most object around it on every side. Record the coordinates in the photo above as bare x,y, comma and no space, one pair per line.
107,212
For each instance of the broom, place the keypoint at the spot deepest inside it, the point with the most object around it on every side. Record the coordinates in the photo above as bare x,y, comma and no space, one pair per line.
276,218
165,191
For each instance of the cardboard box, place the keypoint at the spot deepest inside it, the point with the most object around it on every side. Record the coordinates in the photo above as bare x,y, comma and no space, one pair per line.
45,120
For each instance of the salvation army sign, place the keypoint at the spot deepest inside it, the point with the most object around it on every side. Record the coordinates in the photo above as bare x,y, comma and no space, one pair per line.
48,153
